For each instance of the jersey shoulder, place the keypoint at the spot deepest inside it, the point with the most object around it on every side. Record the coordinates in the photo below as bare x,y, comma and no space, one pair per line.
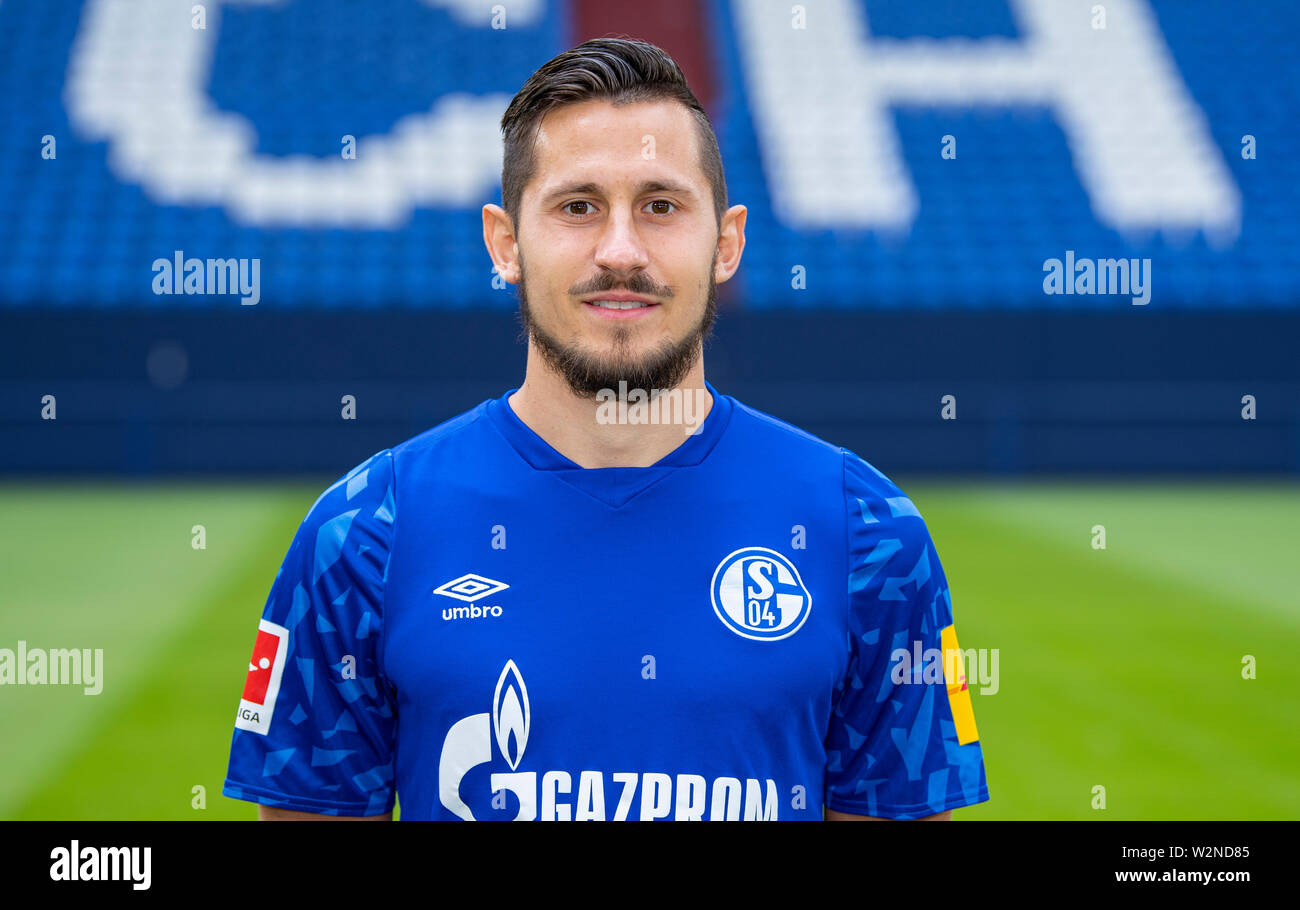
859,476
368,490
777,429
442,433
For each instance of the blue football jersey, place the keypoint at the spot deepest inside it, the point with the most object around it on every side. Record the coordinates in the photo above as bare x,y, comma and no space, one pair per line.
472,623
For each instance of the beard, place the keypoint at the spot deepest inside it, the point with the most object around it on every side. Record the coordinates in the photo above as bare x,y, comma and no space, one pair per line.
588,373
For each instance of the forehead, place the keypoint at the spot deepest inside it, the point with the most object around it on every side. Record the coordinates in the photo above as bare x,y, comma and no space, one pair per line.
598,142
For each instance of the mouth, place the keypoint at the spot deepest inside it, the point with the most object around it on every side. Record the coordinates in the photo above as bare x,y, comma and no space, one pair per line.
620,306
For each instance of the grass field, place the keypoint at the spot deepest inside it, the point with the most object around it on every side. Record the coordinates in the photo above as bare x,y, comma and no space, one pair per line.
1119,668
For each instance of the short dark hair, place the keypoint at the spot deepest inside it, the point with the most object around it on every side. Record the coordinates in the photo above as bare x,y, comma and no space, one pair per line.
619,70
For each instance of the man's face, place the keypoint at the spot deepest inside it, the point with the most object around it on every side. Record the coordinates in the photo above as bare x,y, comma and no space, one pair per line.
618,207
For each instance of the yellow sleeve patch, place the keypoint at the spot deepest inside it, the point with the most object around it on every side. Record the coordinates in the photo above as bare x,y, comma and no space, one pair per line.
954,674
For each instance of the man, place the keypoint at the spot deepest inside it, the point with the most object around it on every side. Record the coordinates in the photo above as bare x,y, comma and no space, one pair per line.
613,593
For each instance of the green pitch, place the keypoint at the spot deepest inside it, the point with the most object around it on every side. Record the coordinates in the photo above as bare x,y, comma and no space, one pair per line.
1118,668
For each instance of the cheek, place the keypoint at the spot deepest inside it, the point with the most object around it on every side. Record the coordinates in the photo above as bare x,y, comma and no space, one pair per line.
546,292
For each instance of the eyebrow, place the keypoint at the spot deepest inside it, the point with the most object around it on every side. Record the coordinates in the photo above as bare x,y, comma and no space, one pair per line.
594,189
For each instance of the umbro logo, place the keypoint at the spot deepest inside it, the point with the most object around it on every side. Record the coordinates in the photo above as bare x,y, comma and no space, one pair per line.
470,587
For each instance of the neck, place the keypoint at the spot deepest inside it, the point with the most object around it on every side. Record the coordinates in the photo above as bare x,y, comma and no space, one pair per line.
581,429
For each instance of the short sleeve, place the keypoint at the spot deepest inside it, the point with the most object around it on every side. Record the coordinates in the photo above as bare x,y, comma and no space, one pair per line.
316,722
902,740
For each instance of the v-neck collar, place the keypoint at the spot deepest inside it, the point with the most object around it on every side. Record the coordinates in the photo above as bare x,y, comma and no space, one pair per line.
612,486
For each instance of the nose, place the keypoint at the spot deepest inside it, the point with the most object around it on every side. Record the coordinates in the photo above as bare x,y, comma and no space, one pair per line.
619,248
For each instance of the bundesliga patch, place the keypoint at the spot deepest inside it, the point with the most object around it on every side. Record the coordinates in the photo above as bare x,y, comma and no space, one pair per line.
263,683
954,672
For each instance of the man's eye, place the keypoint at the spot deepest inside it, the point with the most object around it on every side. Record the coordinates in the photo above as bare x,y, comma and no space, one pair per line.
661,207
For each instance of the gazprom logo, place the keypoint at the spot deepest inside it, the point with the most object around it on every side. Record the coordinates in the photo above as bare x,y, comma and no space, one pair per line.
469,744
510,718
758,594
557,794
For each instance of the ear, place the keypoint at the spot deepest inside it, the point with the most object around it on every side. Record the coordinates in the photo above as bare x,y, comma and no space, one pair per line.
499,238
731,243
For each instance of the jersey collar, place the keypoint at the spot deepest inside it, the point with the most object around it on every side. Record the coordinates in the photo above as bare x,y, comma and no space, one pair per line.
613,486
